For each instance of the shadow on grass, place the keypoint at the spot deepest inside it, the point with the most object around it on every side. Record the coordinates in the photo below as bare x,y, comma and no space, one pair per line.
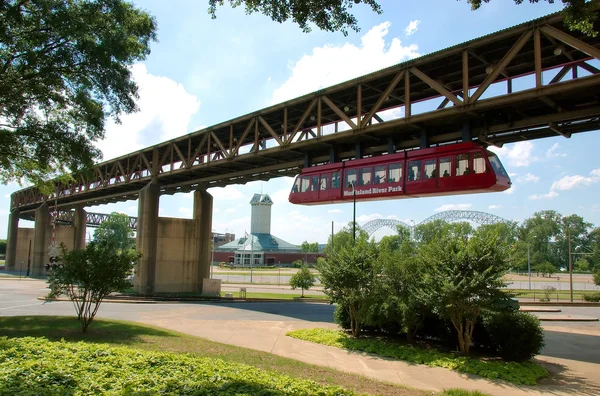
55,328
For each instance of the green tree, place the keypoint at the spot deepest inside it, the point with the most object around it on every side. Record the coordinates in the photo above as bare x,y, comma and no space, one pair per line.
343,239
303,279
597,278
579,14
88,275
334,15
347,276
65,70
582,265
115,232
2,246
461,279
546,269
308,247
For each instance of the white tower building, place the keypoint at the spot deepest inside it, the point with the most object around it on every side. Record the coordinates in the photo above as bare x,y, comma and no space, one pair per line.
260,217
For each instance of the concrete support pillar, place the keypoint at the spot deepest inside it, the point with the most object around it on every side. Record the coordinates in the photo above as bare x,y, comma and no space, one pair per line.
147,238
79,225
11,243
40,242
203,205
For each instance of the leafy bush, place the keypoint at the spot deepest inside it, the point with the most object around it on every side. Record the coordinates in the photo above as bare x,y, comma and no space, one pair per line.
548,290
592,297
36,366
515,336
460,392
303,279
520,373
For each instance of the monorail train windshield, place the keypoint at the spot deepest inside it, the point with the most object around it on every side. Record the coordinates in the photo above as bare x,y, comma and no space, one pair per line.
462,168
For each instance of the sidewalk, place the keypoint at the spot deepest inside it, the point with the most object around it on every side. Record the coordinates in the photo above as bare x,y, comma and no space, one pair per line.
572,377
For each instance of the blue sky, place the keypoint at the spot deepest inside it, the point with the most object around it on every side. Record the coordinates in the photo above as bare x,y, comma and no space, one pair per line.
203,71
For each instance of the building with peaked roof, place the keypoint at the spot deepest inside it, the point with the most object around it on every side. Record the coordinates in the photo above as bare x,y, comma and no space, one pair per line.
260,247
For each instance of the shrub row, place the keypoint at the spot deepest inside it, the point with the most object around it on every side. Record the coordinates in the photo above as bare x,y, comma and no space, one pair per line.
518,373
592,297
36,366
511,335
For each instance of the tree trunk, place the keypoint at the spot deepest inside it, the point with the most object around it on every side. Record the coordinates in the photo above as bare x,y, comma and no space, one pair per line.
458,326
302,292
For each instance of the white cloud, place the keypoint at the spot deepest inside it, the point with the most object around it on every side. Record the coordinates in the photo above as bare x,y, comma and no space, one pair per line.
165,109
551,153
492,207
335,211
412,27
570,182
365,218
226,193
230,210
329,65
528,178
518,154
453,207
551,194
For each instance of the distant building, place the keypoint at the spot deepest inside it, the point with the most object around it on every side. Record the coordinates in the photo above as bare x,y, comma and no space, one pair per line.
260,247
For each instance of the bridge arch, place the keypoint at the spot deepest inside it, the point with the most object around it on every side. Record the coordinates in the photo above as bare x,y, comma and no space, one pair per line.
448,215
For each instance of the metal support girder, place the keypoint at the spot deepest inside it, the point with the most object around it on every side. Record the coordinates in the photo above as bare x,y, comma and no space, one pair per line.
358,151
307,160
517,46
466,132
555,128
423,142
332,158
391,146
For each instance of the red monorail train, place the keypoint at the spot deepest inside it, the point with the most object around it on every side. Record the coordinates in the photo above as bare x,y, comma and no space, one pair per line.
462,168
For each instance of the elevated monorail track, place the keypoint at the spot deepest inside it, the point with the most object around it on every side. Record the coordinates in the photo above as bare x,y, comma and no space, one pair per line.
531,81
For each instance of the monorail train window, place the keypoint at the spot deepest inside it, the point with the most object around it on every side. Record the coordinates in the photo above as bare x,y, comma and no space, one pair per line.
324,181
496,164
445,167
462,164
379,177
350,178
305,184
414,170
365,176
395,173
478,162
335,180
315,183
296,186
430,169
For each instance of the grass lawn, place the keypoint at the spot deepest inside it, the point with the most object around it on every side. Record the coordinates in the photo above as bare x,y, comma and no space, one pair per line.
563,295
519,373
147,338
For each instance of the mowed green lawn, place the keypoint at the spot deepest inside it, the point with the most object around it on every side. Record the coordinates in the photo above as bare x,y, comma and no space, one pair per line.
149,344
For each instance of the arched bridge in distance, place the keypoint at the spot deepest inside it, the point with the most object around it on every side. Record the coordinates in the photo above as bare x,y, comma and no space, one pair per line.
449,215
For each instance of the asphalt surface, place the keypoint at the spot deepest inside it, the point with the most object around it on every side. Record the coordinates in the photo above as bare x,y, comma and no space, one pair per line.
567,340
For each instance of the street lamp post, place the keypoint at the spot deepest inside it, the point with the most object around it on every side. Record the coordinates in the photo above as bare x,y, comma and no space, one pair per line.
528,266
354,212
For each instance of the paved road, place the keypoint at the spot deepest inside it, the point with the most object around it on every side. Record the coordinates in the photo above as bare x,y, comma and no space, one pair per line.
20,298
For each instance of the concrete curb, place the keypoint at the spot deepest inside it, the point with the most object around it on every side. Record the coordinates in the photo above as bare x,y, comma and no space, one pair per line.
567,319
559,304
158,300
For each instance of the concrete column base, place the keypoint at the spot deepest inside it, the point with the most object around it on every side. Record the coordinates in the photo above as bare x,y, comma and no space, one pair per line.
11,243
147,236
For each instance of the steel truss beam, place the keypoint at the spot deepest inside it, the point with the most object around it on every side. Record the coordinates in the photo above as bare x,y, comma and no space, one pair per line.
273,142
